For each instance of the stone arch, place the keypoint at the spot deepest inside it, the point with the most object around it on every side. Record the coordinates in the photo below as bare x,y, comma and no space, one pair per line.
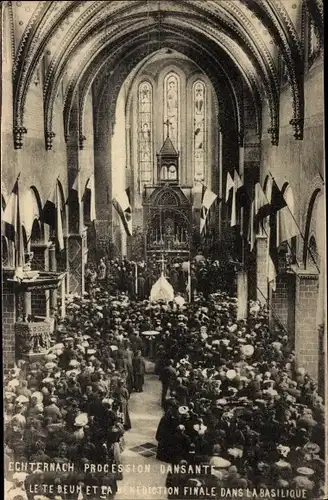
310,225
210,69
5,249
314,261
290,245
36,232
31,212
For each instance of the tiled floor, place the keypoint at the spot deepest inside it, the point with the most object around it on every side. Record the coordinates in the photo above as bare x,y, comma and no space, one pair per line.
140,447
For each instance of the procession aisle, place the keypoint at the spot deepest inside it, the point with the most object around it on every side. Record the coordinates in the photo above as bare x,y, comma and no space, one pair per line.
140,446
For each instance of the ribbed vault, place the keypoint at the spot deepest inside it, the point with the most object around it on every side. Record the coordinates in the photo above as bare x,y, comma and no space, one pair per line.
77,38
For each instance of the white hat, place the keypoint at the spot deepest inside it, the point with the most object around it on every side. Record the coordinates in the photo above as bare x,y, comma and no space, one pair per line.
74,362
22,399
20,476
51,356
13,383
81,420
247,350
219,462
38,395
108,401
50,365
231,374
183,410
305,471
235,452
282,464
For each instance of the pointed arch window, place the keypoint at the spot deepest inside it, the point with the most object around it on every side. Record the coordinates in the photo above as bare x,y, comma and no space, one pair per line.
199,130
172,108
145,132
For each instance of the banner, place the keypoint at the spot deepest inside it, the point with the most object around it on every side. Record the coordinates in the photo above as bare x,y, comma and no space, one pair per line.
208,198
123,206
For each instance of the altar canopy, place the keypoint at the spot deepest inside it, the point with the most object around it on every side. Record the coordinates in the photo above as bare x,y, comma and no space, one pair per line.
161,290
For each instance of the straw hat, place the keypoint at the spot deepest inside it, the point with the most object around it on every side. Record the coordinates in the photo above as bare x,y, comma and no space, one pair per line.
219,462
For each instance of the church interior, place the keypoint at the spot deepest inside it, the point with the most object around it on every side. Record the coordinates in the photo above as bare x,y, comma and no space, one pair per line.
152,130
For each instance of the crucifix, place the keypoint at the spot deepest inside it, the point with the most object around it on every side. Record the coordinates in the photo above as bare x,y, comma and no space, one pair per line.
163,262
167,123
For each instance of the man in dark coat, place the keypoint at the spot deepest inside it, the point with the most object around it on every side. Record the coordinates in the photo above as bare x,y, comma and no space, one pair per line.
168,378
141,287
131,285
164,436
139,368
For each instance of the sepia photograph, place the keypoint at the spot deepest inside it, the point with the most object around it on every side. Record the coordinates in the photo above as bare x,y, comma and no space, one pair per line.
163,242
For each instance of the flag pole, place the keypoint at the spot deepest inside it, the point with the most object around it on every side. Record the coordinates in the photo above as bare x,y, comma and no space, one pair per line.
189,280
136,277
300,232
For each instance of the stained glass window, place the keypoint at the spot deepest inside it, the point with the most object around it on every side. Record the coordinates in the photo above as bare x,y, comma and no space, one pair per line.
145,126
172,108
199,132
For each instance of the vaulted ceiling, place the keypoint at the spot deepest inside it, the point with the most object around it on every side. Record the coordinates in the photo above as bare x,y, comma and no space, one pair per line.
238,43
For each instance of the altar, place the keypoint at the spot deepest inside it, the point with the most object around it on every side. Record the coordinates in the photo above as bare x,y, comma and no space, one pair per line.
167,209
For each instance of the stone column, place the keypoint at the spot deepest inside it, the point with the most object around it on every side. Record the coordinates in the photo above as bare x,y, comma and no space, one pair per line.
261,269
103,182
76,254
306,328
40,262
53,267
27,305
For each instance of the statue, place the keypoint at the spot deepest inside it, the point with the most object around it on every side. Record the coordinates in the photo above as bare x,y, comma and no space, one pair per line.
102,269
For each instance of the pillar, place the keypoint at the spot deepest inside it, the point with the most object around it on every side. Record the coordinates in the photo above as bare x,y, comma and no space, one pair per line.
40,262
283,303
242,294
261,269
53,267
242,275
306,328
103,181
27,304
77,247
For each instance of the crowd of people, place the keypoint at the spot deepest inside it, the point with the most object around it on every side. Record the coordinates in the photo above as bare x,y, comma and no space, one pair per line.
237,402
232,397
137,278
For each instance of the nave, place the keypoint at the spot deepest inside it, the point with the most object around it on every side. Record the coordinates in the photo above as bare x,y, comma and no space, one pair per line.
145,412
162,193
88,415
